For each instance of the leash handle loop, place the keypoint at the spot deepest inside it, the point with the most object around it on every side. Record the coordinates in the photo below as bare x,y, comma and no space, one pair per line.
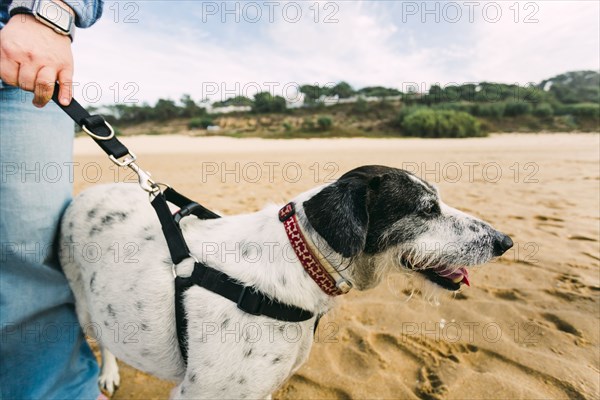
103,134
94,122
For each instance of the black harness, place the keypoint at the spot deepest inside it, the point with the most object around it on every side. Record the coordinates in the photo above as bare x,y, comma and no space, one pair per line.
247,298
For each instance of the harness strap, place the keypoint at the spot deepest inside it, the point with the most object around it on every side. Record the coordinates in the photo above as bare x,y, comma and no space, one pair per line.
178,248
183,202
247,298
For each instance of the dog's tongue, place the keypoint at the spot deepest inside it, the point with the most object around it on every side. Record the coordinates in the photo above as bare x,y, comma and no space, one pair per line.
460,275
465,278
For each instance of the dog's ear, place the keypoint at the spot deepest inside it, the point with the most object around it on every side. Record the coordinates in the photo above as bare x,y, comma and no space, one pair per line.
339,213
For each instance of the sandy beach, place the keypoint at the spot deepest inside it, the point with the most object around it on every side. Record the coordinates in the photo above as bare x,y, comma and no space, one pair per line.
529,325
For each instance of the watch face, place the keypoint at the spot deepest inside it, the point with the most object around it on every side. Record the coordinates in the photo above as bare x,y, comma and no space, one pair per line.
54,14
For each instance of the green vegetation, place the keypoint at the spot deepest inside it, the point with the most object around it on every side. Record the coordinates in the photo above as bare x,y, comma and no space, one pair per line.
324,122
189,108
237,101
516,108
580,110
440,123
264,102
543,110
567,102
574,87
313,92
489,110
379,91
164,110
200,123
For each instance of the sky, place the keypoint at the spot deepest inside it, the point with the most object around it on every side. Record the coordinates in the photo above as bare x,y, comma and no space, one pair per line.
140,51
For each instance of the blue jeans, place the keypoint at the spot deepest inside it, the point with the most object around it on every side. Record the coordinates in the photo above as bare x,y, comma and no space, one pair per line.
43,354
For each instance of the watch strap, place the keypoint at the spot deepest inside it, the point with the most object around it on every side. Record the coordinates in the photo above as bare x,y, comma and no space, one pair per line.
21,7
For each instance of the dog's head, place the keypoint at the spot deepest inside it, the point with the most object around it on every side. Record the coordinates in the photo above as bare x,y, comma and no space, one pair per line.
380,218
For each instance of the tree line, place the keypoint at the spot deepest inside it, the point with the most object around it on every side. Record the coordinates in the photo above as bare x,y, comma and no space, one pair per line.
451,108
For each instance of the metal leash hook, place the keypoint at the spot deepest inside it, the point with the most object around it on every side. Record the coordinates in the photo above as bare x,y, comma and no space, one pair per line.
109,143
144,179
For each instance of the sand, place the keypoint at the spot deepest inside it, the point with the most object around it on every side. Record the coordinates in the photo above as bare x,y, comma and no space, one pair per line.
528,327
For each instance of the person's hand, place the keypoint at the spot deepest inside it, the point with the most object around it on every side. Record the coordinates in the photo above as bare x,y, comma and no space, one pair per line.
33,57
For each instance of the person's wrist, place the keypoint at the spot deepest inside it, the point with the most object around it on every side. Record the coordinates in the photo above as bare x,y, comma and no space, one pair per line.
29,18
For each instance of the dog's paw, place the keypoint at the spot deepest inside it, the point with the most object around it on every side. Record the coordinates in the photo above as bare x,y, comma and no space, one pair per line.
109,379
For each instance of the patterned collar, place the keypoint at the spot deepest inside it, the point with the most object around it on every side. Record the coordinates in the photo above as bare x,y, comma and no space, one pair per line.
317,266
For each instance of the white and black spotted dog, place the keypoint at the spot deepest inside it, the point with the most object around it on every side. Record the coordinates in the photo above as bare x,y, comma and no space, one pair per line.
372,220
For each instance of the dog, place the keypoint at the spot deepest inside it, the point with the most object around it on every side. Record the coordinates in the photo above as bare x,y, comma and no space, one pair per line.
371,221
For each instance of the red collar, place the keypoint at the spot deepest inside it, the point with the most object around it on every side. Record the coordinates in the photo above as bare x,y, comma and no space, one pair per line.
307,254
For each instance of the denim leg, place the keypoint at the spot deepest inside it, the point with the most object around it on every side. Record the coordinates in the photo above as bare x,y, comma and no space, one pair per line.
43,354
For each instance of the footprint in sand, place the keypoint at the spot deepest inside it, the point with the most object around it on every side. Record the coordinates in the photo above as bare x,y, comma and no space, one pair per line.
445,369
556,205
569,287
430,385
508,294
568,295
571,282
300,384
527,382
583,238
418,353
546,218
359,359
460,296
585,253
549,224
561,324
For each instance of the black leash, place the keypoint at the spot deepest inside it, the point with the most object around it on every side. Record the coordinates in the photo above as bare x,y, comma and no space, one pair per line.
247,298
95,126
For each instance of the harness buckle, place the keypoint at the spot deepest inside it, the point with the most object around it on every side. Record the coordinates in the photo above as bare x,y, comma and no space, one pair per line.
185,211
250,301
344,285
287,211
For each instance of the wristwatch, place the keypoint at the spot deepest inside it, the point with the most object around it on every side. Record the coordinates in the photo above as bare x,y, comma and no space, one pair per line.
48,13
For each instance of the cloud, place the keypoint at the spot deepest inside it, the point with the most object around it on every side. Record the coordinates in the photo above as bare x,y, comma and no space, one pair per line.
564,38
171,50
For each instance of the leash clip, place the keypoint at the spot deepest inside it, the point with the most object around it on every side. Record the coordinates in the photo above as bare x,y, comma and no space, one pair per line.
144,178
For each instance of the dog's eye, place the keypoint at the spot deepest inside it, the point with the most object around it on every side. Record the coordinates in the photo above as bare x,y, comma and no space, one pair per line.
430,209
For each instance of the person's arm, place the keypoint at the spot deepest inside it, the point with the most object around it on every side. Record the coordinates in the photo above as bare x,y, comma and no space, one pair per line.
33,56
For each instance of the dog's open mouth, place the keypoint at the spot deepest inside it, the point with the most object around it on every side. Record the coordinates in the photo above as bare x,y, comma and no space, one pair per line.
446,277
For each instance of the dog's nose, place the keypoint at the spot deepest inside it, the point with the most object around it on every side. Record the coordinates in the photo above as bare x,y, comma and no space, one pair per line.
502,243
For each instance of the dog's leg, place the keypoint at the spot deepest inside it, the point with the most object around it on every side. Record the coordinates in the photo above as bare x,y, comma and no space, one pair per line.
109,379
